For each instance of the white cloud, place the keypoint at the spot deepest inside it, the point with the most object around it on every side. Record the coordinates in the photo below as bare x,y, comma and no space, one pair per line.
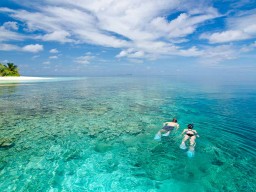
11,25
53,57
8,47
34,48
54,51
153,50
181,26
46,62
141,25
248,48
28,48
226,36
241,27
86,59
60,36
216,54
139,28
7,35
193,51
6,10
99,38
137,54
131,53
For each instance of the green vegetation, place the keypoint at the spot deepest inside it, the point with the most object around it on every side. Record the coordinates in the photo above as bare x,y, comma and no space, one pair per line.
9,70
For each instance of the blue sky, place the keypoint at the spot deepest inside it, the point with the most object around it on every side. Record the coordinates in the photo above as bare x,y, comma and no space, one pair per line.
114,37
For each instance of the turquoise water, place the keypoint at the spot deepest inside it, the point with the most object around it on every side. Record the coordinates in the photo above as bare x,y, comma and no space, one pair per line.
96,134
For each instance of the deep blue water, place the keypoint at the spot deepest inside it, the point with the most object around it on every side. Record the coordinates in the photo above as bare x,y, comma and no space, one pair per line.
96,134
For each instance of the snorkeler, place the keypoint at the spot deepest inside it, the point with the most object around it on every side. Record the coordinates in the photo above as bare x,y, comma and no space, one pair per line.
167,128
189,134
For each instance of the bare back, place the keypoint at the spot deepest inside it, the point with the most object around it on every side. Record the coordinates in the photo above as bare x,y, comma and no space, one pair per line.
172,124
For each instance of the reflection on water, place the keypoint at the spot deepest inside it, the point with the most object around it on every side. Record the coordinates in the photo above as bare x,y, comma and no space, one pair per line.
96,134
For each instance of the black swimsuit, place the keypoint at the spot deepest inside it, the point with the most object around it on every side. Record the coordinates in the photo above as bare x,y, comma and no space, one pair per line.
190,134
168,128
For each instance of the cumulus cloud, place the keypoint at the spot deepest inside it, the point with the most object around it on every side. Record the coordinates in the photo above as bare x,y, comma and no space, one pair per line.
54,51
11,25
86,59
34,48
248,48
226,36
216,54
138,25
153,50
241,27
193,51
130,53
138,28
8,47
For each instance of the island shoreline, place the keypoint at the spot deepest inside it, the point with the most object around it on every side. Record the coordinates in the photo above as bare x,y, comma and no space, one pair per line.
23,78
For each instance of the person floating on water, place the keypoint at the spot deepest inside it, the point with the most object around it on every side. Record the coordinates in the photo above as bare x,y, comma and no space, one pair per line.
167,128
189,134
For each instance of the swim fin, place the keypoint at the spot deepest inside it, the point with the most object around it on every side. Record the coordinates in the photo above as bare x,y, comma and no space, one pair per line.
166,134
183,146
191,153
157,137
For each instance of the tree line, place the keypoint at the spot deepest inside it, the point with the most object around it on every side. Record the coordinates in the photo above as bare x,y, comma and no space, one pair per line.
9,70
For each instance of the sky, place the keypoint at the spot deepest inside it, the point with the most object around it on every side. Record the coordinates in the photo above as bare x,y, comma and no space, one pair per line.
120,37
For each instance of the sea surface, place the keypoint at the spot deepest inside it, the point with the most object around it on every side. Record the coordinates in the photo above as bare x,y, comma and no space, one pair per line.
96,134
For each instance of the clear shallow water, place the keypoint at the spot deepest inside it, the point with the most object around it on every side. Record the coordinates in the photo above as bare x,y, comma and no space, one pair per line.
96,134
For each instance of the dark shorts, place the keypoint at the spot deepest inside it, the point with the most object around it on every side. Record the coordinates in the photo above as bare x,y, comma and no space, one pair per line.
168,128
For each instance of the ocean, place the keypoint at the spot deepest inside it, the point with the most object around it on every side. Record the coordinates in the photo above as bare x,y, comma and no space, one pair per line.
97,134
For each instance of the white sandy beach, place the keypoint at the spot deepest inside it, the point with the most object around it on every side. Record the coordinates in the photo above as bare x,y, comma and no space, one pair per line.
24,78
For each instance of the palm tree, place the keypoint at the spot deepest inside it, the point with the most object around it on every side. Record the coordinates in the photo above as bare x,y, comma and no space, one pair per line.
2,67
9,70
13,68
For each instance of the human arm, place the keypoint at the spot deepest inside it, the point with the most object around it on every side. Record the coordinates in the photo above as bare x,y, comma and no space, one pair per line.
196,133
183,131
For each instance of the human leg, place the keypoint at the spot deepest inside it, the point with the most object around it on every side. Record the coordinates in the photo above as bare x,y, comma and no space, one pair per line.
159,134
183,145
192,140
186,137
167,133
161,131
167,130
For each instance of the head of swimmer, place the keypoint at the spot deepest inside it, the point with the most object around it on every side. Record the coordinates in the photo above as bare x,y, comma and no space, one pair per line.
174,120
190,126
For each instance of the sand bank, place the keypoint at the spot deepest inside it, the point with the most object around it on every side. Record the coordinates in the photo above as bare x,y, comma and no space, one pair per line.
23,78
